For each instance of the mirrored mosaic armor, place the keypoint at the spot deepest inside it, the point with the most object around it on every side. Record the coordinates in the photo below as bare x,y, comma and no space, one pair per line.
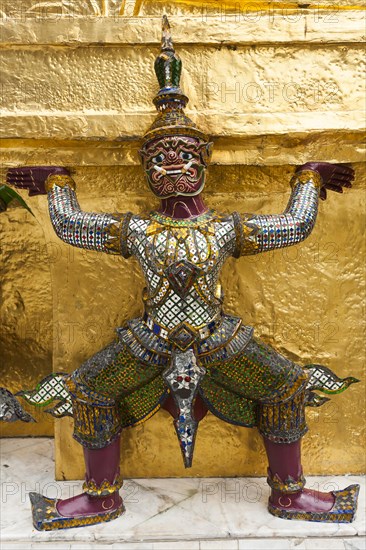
181,260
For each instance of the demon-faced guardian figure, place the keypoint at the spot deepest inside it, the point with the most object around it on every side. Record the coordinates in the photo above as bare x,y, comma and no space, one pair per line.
184,353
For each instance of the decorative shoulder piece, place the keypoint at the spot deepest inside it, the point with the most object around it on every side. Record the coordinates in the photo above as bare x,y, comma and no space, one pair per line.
307,176
61,180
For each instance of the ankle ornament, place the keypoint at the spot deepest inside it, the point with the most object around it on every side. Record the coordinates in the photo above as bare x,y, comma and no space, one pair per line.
106,488
289,486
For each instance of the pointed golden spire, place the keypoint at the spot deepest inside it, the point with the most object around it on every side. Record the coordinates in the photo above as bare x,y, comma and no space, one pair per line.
168,65
166,40
170,101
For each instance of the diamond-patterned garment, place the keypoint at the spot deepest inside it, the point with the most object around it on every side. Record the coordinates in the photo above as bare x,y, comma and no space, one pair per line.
182,259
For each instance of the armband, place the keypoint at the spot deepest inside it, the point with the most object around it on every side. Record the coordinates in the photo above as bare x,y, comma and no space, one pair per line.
61,180
307,176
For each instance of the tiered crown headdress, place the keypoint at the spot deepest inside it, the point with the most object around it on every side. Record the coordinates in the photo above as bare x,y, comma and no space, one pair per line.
170,100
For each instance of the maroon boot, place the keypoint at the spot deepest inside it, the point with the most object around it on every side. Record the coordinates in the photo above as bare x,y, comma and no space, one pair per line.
99,502
290,500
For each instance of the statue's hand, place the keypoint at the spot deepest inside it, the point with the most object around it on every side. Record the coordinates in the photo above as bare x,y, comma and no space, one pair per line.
33,178
334,176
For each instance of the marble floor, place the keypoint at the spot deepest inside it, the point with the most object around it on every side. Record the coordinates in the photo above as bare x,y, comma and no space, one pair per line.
167,514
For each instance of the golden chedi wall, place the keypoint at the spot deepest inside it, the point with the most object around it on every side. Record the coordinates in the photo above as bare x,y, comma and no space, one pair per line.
274,87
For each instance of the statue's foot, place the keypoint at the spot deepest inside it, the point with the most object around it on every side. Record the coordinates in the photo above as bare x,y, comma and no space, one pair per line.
308,505
85,504
305,500
82,510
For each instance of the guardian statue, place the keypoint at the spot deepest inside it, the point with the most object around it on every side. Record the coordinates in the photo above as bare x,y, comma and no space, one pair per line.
185,353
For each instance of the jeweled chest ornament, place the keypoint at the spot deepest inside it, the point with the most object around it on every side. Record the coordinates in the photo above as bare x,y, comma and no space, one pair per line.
182,275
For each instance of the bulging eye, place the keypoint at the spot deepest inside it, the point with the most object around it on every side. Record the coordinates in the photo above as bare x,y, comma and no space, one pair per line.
159,158
185,156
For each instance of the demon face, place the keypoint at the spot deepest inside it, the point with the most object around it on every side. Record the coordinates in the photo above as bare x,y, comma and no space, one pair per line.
175,165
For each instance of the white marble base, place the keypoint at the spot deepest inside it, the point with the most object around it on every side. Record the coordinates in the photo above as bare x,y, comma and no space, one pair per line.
166,514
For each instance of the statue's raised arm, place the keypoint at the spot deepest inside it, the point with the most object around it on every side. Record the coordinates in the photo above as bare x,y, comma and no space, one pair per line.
101,232
260,233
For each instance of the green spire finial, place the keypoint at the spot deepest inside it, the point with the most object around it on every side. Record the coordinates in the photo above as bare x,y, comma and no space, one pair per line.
170,101
168,65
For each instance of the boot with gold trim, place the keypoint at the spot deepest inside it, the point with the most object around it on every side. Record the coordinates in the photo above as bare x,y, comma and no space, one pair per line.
100,501
290,500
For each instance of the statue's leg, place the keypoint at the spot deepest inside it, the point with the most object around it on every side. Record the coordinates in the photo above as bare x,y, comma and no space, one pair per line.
102,483
260,387
96,425
109,391
281,425
285,460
